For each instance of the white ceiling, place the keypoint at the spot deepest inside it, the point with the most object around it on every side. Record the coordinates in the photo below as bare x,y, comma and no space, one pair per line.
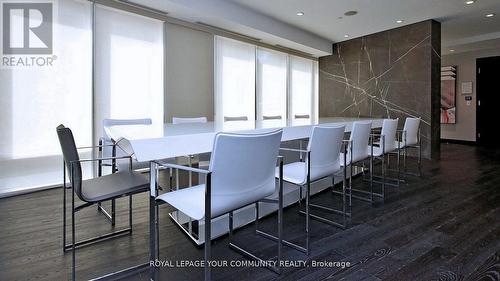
464,27
461,24
237,18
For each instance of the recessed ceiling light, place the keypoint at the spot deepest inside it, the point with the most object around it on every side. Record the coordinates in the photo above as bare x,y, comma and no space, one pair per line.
346,35
300,13
470,2
452,50
490,15
399,21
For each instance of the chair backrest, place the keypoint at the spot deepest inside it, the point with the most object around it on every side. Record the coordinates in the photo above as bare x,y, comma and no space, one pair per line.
107,150
183,120
360,136
389,131
411,129
70,155
117,122
243,169
235,118
325,144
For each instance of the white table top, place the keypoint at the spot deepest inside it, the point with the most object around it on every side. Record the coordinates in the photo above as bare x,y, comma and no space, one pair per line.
162,141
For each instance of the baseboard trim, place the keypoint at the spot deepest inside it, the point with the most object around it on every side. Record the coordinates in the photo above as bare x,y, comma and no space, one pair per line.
466,142
23,191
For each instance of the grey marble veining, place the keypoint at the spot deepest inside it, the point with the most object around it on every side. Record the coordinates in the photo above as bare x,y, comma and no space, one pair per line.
388,75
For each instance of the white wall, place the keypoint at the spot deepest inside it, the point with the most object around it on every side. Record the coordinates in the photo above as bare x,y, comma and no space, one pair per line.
189,73
465,128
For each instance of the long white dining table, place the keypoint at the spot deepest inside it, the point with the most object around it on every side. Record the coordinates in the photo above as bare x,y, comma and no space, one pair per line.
166,141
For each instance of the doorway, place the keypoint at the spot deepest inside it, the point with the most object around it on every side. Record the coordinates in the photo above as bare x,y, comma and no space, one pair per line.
488,100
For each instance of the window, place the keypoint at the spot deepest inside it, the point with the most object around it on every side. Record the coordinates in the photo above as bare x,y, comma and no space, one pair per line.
128,67
35,100
235,80
271,84
128,73
255,83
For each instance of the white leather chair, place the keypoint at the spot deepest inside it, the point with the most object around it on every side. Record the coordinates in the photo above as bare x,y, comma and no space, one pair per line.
206,157
236,178
322,161
387,144
357,152
411,139
95,190
184,120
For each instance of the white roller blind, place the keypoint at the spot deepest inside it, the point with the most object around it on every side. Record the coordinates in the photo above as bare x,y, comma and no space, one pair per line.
271,84
234,79
34,100
301,87
128,67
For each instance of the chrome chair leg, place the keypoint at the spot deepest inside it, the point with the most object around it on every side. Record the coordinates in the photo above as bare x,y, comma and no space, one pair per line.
153,220
404,158
342,212
171,180
300,197
371,178
130,212
256,217
208,228
157,230
350,183
190,173
73,242
113,212
419,159
383,177
308,193
344,202
153,246
177,180
64,205
399,167
278,238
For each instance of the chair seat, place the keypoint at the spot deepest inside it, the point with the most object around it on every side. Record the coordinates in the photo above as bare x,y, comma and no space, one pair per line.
348,160
377,150
191,200
396,143
113,185
409,144
294,172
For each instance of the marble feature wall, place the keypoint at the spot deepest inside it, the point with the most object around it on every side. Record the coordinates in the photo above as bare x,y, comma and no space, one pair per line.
391,74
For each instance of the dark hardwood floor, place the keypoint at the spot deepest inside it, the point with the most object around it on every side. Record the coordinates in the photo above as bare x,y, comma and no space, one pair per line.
443,226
